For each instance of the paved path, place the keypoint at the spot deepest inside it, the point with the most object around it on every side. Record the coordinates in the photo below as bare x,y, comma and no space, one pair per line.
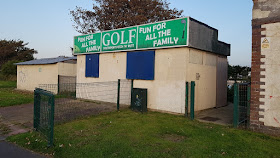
16,119
222,115
9,150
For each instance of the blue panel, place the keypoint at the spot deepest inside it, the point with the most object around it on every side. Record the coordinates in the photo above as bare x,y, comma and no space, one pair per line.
92,65
140,65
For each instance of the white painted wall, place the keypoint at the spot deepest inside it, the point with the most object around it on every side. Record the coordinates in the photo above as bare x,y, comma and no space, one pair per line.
67,69
202,70
167,91
30,76
112,66
173,67
272,74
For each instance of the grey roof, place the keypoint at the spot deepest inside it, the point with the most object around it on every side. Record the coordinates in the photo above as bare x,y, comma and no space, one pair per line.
204,37
47,61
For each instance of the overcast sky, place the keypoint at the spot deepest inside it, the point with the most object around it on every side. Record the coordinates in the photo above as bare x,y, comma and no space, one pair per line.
46,24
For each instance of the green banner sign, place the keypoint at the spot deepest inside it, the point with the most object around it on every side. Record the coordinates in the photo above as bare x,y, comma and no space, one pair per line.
170,33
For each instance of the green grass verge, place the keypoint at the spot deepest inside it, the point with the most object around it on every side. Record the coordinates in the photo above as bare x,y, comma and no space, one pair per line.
9,96
8,84
130,134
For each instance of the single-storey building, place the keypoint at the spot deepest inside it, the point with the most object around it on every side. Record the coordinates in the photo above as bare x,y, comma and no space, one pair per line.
31,74
160,57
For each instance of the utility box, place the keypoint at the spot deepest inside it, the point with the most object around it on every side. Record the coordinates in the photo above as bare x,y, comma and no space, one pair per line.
139,99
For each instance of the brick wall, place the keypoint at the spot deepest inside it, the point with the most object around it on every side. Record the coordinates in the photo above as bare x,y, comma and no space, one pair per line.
264,12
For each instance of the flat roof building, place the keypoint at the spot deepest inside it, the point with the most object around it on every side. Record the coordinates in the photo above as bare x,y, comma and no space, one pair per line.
31,74
160,57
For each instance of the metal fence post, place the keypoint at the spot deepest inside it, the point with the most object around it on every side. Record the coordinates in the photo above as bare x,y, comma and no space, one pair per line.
36,117
187,99
75,92
51,123
235,108
58,86
118,97
131,94
248,105
192,99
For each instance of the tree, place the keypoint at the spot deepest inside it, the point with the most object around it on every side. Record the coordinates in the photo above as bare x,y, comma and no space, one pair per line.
238,72
15,50
114,14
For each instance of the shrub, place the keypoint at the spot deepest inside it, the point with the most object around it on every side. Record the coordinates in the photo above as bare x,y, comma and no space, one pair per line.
230,94
9,70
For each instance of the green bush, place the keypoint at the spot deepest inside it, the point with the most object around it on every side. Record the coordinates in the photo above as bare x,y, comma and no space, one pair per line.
8,77
230,94
9,68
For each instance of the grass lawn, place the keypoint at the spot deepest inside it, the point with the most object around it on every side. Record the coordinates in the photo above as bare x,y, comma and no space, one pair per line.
131,134
9,96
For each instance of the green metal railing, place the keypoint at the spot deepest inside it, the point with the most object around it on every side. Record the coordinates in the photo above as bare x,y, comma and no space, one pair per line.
131,91
241,114
192,98
44,113
118,95
187,99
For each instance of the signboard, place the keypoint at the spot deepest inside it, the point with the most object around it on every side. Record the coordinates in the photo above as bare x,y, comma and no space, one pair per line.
170,33
265,42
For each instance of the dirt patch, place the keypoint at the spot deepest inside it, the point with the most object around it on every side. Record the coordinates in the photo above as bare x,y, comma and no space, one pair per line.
21,114
23,91
4,129
174,138
208,118
16,119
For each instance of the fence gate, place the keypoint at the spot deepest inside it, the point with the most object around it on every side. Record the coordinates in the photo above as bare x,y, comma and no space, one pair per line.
241,101
44,113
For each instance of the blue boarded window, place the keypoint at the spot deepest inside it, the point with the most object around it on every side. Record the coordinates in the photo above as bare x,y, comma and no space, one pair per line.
92,65
140,65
